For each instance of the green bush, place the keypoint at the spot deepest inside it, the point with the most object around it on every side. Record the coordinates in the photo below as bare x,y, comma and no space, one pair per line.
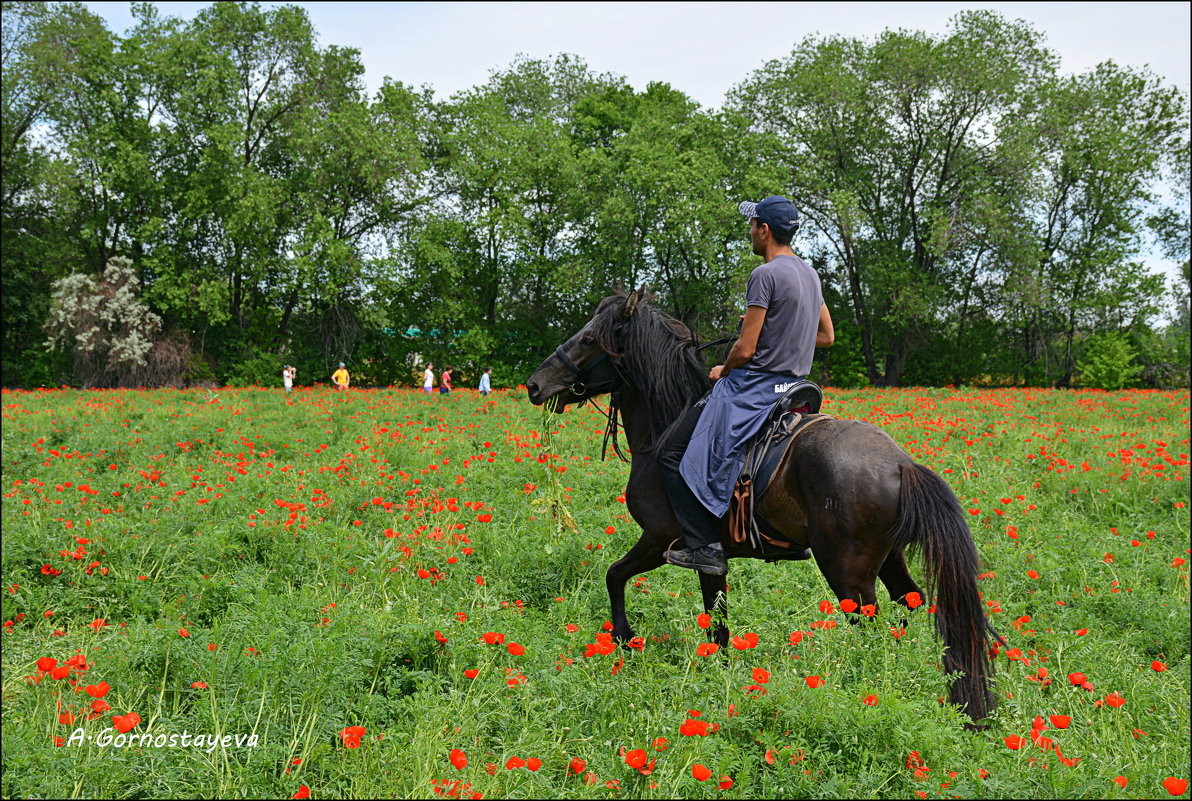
1108,362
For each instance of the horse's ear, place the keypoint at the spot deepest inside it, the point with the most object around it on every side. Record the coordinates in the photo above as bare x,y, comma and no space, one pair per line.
630,305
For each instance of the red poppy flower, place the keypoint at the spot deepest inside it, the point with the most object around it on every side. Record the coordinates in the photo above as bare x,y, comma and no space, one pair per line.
870,700
515,762
516,649
1158,666
577,766
493,638
1077,679
726,783
703,620
693,728
636,758
660,744
125,723
471,674
1115,699
914,600
746,642
813,681
848,605
1120,781
761,675
1014,742
706,649
1175,786
351,735
701,772
1060,721
97,690
303,792
533,763
826,607
46,664
458,758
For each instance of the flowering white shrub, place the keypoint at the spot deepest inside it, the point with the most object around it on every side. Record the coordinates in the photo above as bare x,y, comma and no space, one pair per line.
113,337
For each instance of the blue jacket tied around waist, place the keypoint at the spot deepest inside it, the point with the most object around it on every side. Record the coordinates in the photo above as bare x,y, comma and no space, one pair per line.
733,414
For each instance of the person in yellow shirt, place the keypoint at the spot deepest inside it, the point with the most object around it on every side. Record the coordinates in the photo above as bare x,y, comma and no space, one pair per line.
340,377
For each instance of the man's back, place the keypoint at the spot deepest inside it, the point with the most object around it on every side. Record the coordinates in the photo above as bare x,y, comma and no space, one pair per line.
790,292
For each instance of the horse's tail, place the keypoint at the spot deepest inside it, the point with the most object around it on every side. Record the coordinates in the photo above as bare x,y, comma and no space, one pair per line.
930,518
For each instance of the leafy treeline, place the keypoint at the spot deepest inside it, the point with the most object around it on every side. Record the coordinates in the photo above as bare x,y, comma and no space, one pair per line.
976,215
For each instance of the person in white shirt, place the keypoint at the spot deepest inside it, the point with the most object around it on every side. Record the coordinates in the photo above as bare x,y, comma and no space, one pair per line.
287,377
485,386
428,379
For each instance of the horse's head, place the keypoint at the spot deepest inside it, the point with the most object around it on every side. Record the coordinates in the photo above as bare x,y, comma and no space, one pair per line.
584,366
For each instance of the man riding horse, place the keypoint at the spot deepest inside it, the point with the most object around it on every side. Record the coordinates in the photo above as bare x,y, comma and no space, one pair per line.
785,322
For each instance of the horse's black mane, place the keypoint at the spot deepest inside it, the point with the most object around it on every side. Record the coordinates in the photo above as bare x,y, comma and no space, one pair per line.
658,355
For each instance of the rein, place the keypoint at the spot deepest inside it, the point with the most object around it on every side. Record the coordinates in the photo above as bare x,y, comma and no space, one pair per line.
579,386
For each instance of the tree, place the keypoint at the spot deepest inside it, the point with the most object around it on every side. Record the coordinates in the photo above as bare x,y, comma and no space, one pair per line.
1103,138
899,152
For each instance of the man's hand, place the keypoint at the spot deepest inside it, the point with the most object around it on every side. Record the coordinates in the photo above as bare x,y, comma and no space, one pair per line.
716,372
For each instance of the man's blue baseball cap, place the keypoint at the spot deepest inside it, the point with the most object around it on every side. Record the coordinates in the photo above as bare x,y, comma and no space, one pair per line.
775,211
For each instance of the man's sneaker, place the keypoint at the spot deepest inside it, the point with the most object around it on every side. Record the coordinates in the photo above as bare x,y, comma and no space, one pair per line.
708,559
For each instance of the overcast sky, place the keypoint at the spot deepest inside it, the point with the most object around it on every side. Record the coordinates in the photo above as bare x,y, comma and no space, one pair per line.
701,49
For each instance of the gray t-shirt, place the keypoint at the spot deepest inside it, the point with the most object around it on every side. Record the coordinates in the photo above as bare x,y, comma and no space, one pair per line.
789,290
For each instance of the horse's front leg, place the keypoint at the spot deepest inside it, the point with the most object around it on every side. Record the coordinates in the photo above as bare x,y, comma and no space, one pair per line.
715,592
642,558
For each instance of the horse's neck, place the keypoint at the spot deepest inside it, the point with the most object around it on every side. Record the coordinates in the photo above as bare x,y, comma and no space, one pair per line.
636,421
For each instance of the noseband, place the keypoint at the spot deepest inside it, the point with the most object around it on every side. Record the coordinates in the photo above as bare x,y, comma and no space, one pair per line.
613,386
580,385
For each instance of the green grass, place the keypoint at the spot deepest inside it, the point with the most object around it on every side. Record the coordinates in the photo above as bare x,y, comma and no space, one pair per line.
317,548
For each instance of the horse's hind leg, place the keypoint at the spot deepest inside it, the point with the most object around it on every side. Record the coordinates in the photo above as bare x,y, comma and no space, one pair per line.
897,578
849,566
642,557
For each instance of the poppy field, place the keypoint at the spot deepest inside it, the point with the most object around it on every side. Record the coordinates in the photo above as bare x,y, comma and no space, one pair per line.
380,593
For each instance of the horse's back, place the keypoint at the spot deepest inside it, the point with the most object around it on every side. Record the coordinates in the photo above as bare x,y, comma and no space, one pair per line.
841,476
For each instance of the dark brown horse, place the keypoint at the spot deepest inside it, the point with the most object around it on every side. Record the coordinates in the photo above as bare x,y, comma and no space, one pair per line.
847,489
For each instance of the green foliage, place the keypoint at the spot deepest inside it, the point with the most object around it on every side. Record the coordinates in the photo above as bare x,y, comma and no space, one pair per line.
974,214
1109,362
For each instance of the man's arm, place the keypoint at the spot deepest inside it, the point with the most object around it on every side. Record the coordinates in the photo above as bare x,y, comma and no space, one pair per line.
746,344
826,334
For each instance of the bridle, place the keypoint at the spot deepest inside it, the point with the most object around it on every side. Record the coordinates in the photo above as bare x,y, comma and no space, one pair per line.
580,386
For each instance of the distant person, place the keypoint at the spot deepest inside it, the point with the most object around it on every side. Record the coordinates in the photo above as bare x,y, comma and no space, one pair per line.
340,377
428,379
287,377
445,381
485,386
